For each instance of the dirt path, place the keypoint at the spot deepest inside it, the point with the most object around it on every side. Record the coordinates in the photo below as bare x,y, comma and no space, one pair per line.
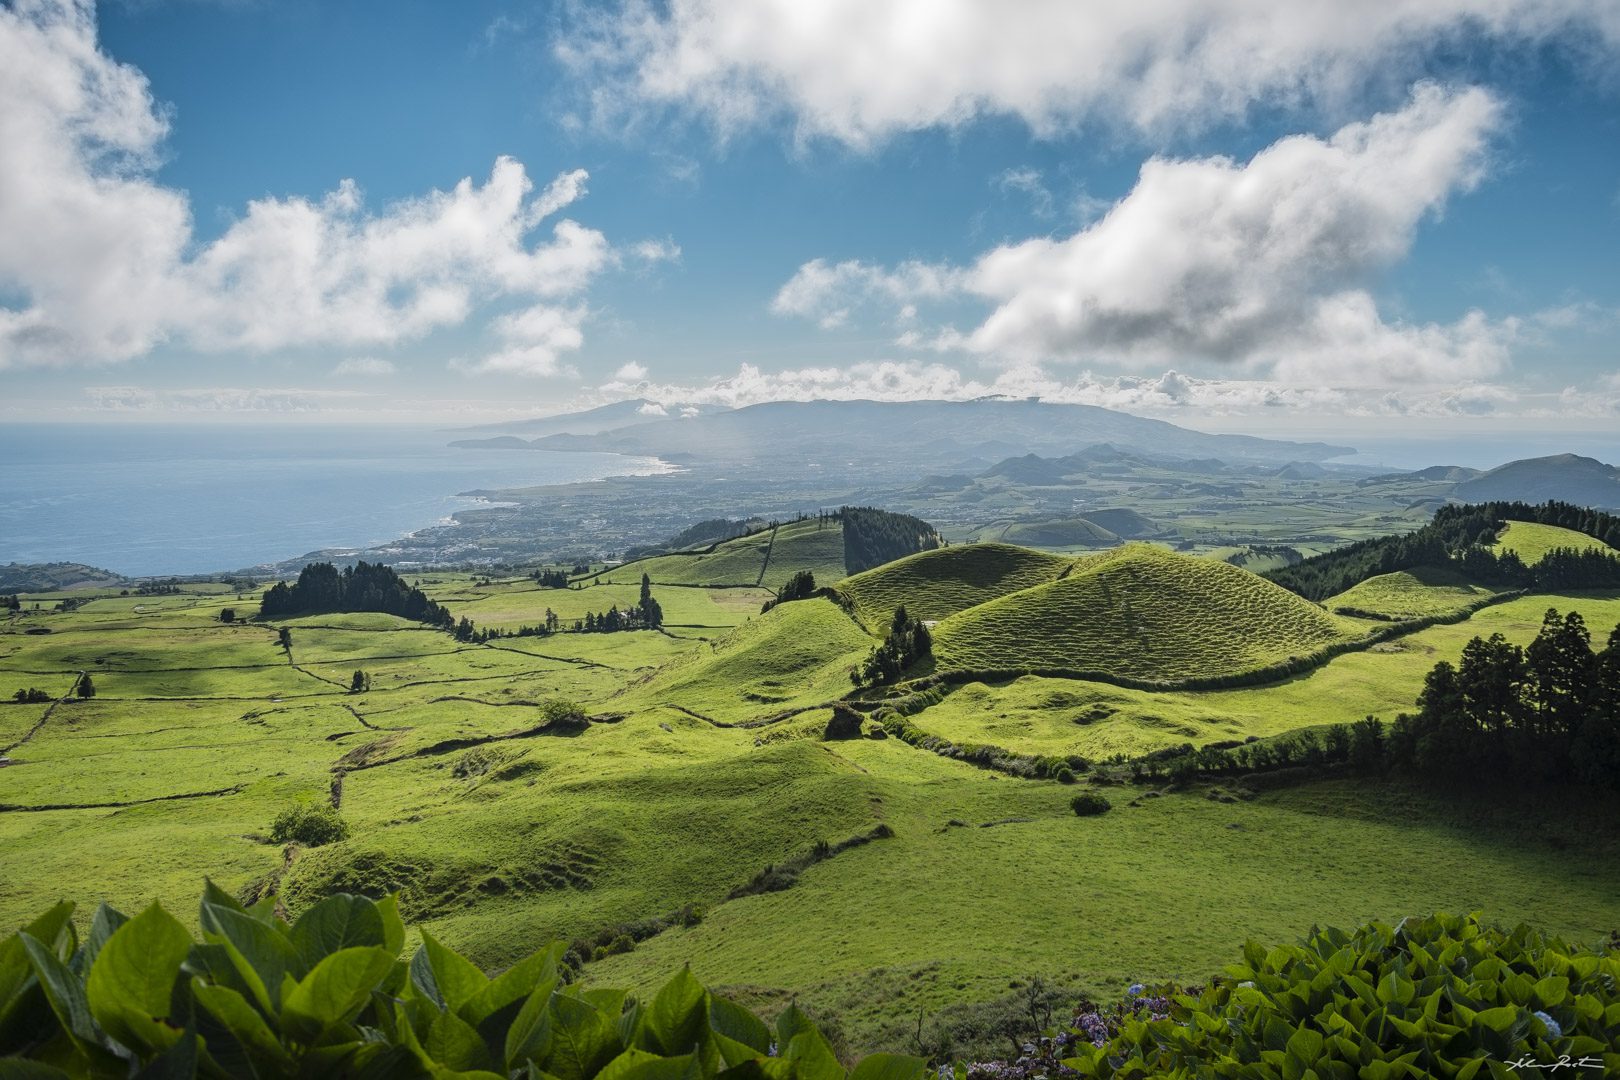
13,808
770,545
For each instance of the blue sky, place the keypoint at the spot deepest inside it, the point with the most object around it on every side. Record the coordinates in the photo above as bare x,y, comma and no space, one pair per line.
1234,215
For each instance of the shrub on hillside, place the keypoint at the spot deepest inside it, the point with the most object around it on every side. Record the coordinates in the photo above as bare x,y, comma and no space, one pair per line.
311,826
845,723
559,715
140,996
1090,804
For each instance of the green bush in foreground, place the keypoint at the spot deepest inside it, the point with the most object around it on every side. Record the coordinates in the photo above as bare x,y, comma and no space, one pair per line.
1444,996
311,825
328,996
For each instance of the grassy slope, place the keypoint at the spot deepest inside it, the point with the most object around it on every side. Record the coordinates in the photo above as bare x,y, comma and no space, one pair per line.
937,584
1533,541
795,655
799,545
1410,594
944,914
662,809
1144,612
1059,533
1064,716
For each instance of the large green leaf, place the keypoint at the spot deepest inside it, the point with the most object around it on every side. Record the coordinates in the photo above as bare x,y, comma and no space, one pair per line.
337,922
178,1062
529,1037
729,1026
333,993
393,926
889,1067
15,967
444,976
264,946
64,991
244,1023
132,980
106,921
514,984
582,1039
678,1017
636,1064
456,1044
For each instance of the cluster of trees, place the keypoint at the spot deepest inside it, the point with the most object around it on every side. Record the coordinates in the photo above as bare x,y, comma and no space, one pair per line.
31,696
170,587
1560,568
552,579
360,683
10,603
873,537
908,642
801,586
322,588
1457,537
646,615
1550,710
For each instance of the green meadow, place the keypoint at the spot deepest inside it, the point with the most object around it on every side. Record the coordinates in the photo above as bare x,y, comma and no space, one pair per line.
1531,541
704,765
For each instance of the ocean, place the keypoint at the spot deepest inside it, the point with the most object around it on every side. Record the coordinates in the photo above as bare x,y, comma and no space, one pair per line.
144,499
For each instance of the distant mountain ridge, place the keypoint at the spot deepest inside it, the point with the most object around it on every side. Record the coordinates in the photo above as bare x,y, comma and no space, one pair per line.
1569,478
913,430
593,421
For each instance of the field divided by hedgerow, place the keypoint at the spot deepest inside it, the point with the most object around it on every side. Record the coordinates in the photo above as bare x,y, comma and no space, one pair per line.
1143,612
1045,716
501,836
765,559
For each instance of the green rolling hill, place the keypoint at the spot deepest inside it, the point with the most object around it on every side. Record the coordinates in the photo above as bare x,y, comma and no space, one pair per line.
937,584
793,656
1141,612
1057,532
1411,594
829,547
1532,541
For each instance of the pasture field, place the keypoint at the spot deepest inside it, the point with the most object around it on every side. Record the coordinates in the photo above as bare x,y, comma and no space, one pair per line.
1411,594
1143,612
1032,715
766,559
704,763
1532,540
937,584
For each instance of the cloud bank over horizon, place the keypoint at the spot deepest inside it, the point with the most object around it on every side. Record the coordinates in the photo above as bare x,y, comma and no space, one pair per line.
858,198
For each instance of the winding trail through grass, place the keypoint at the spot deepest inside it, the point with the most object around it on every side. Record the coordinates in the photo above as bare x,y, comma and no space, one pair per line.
13,808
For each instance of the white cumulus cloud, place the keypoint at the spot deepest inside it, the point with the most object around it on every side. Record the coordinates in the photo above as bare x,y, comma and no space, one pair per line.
108,267
859,71
1265,263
